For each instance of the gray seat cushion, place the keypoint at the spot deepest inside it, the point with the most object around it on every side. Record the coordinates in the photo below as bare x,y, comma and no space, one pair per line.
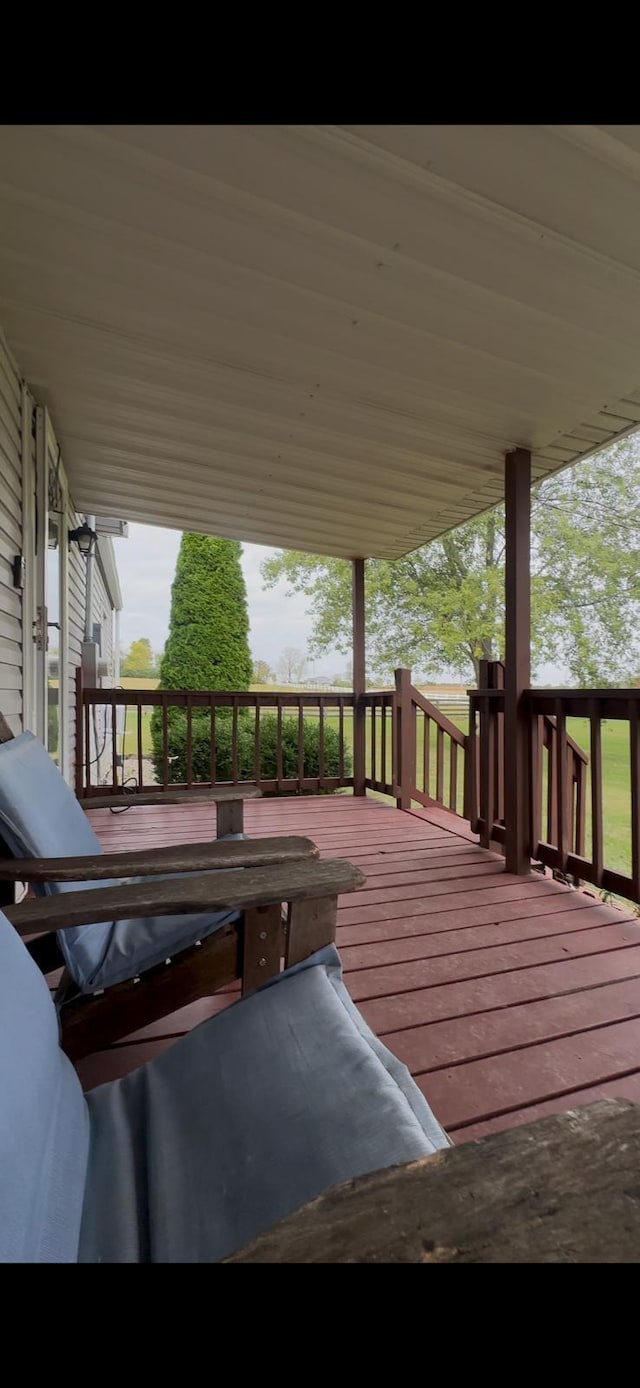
44,1120
41,818
253,1113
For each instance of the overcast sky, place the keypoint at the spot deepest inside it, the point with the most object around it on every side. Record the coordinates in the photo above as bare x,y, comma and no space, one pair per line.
146,565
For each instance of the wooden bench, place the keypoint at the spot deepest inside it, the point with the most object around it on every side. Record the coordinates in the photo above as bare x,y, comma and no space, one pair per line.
565,1189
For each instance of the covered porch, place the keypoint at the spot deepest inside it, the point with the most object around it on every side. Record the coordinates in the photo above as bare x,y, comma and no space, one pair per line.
507,997
352,340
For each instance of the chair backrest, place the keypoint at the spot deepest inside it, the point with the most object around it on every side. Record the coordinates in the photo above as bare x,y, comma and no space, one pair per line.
44,1125
39,814
41,818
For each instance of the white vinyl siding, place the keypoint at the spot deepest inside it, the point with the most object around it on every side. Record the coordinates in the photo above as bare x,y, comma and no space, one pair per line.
10,539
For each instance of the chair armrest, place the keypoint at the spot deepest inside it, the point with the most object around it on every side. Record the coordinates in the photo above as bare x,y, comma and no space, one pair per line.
217,795
235,891
148,862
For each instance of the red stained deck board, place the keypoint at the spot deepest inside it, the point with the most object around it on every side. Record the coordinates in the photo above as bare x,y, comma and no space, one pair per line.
410,867
447,897
434,816
434,1004
510,1028
480,963
624,1087
506,913
440,942
519,1078
550,968
394,887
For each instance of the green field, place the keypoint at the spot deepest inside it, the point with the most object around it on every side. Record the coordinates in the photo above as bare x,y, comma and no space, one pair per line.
615,768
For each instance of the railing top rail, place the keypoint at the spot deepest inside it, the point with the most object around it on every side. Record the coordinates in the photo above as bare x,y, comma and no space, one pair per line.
581,703
218,697
614,693
440,719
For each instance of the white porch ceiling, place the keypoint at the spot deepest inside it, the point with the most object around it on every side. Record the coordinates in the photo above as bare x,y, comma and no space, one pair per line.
321,337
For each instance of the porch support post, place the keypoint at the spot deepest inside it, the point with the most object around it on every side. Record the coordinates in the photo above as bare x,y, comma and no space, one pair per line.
517,660
359,682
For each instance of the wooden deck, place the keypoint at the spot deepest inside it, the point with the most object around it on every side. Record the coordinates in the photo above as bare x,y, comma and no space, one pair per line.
508,998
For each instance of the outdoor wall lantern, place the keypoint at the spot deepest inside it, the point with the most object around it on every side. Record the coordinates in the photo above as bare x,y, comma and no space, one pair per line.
84,537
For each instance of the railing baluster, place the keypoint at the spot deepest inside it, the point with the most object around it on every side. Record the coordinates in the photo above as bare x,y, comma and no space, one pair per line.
634,740
321,739
552,778
470,793
487,768
300,745
383,744
79,755
165,742
564,817
426,754
256,743
580,776
114,745
279,769
341,737
536,725
234,742
440,766
212,739
372,732
87,745
597,841
189,743
453,776
139,740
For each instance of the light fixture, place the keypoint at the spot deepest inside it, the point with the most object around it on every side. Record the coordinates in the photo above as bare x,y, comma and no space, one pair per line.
84,537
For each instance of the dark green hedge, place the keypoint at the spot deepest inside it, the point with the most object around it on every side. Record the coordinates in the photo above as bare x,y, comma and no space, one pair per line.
208,642
200,747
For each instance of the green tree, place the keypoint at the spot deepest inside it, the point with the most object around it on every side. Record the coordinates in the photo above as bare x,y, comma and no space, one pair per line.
443,605
292,666
208,642
139,660
262,673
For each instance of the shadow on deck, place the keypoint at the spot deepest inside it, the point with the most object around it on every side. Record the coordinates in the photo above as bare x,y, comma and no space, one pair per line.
508,998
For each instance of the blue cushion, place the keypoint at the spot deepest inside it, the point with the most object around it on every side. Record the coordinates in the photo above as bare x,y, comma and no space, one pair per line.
44,1122
97,956
41,818
253,1113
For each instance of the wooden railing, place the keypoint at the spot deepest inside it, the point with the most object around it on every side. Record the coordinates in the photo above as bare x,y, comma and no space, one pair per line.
558,847
380,741
413,751
227,728
558,769
431,751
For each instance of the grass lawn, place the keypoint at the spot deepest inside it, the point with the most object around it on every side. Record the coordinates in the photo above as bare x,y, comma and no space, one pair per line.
615,770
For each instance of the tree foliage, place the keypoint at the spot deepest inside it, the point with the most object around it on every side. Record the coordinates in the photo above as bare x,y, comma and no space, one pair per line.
443,605
292,666
139,660
262,673
208,642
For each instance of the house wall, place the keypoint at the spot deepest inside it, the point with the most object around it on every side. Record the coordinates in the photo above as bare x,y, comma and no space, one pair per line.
14,540
10,538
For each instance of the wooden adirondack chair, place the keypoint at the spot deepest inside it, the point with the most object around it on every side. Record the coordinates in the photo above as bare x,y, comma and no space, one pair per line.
248,1116
118,976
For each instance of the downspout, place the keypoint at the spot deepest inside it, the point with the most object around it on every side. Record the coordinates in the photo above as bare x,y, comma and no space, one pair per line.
88,609
116,648
88,635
